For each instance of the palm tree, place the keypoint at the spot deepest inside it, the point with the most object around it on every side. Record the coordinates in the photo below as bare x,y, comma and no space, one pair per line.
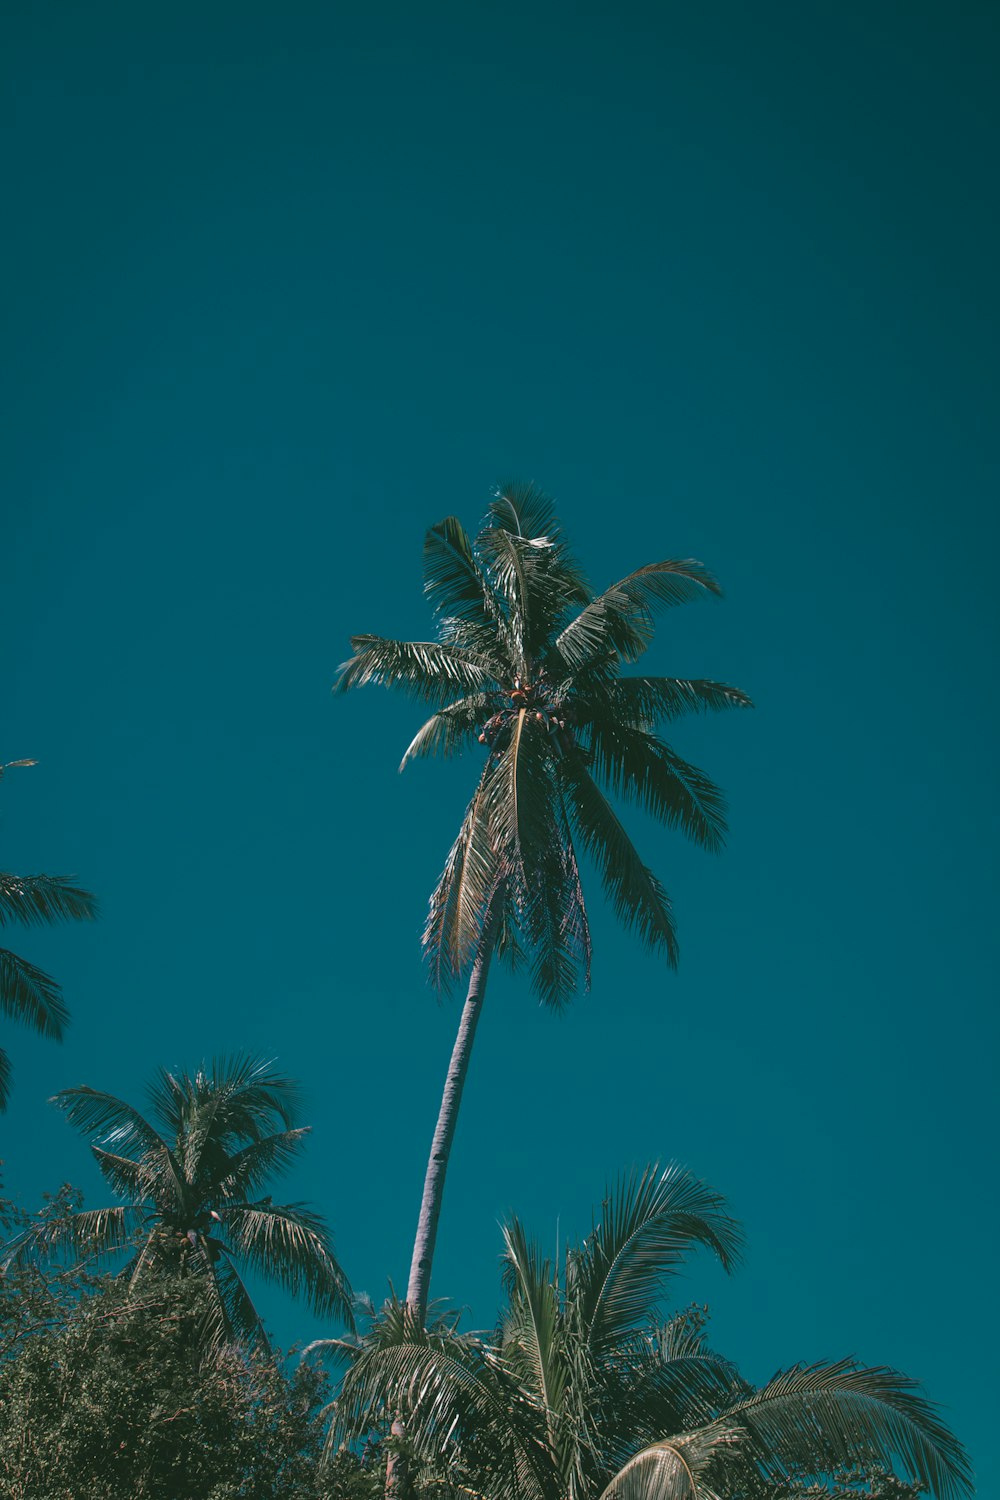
193,1191
528,662
27,993
585,1393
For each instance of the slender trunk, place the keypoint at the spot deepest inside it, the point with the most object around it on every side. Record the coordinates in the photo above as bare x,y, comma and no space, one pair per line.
418,1286
397,1475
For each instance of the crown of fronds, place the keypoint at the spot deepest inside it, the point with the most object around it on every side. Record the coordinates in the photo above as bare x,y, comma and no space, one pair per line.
527,662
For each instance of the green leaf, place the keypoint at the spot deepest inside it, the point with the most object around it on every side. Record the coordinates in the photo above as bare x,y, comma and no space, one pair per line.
448,731
650,1223
453,580
636,895
427,669
642,768
39,900
812,1417
621,619
30,995
646,700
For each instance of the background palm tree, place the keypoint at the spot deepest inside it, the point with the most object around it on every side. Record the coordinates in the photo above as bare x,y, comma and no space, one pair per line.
527,661
586,1393
27,993
192,1191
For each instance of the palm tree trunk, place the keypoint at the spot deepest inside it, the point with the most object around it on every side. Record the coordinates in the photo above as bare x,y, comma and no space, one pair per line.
397,1475
418,1286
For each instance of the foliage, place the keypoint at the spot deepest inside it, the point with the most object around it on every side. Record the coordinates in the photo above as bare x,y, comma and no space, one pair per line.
528,660
27,993
114,1397
586,1392
192,1191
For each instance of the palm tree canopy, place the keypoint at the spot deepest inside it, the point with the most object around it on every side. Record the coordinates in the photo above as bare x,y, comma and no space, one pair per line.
27,993
191,1171
527,660
586,1392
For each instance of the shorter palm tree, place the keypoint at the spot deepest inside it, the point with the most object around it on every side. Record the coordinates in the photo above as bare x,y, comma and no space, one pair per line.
192,1191
27,993
584,1393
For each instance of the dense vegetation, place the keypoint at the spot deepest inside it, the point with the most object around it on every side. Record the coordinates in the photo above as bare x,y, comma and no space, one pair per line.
133,1363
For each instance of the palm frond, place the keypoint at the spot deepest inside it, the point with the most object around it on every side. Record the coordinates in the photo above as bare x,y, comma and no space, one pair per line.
538,1345
635,893
458,905
233,1101
662,1380
447,1387
676,1468
105,1231
650,1223
540,585
523,510
30,995
532,1327
9,764
291,1245
229,1314
621,619
453,580
642,768
130,1178
430,670
644,701
116,1123
170,1099
248,1170
811,1418
5,1077
95,1233
554,917
39,900
447,732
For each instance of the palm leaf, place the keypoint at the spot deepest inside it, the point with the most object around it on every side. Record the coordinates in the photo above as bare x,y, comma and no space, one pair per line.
30,995
229,1314
621,619
539,1350
247,1170
650,1223
646,700
447,1387
636,895
291,1244
457,910
539,584
811,1418
447,731
555,920
532,1327
39,900
128,1177
523,510
675,1468
95,1113
643,768
453,581
95,1233
429,670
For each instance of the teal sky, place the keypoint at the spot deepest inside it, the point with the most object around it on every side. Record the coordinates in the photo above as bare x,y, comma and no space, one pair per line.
286,284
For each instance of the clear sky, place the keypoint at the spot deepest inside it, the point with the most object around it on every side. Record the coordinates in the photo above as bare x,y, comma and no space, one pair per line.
286,284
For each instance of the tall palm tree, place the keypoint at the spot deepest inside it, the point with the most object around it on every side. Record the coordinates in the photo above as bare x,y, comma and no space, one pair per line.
586,1393
528,662
27,993
193,1191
